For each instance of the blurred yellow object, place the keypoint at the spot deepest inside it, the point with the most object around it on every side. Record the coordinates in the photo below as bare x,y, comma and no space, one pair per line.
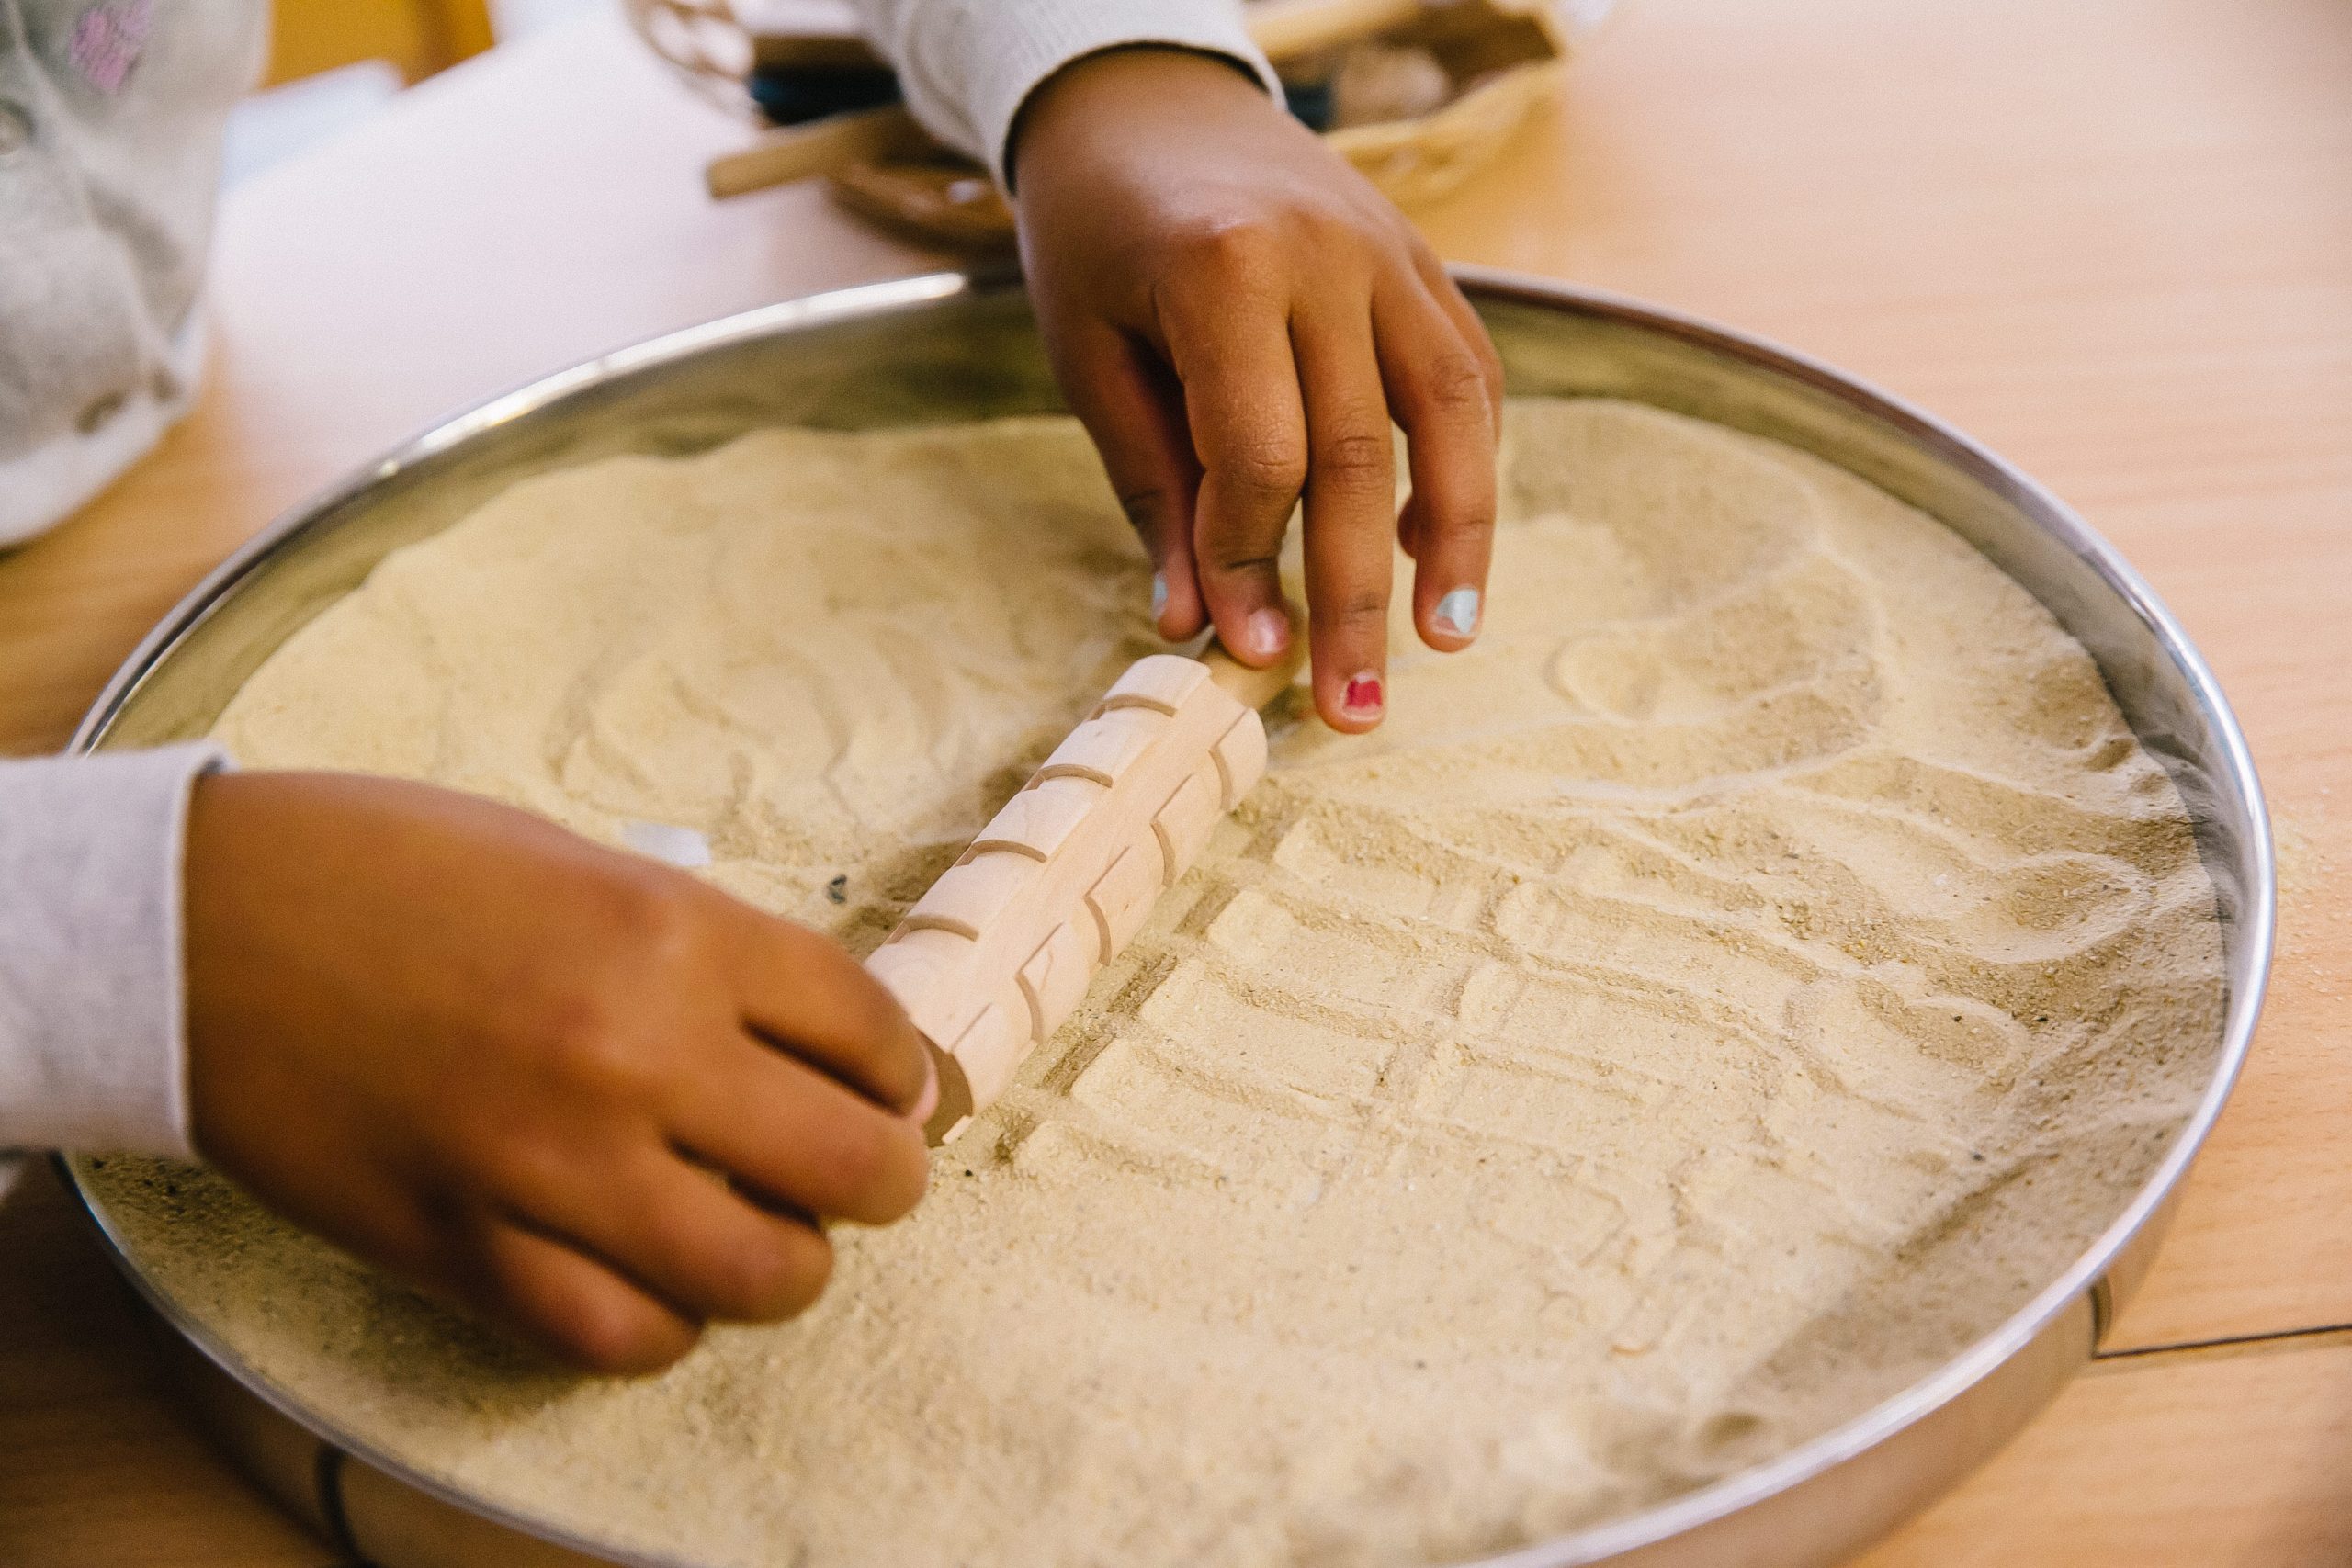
418,37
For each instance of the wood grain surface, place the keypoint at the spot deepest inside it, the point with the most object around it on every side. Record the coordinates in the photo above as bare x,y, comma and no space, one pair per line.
2113,238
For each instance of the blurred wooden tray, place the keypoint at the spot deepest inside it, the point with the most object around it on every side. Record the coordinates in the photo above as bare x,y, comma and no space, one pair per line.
1503,59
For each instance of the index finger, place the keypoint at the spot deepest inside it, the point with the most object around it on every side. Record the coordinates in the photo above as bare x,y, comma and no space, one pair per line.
803,993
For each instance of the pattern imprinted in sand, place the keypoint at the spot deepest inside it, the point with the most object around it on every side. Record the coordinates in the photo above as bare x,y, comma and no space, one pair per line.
1707,1004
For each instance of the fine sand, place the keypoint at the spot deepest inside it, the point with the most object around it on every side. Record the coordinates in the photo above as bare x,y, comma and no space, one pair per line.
1732,986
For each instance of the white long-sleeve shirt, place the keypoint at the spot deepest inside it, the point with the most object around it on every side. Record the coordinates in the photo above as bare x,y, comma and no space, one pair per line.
110,122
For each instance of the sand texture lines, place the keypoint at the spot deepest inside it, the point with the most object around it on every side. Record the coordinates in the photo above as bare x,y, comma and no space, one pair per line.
1727,990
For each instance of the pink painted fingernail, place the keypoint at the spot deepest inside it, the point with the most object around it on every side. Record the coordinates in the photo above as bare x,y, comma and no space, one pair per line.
1363,696
1269,631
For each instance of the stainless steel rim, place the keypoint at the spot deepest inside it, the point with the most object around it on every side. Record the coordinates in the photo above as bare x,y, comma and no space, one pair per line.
2233,766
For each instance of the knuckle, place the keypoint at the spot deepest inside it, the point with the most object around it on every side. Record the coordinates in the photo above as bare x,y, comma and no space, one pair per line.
651,919
1490,363
1358,607
581,1035
1336,228
589,1044
1467,524
1459,383
1266,469
1226,245
1471,522
1357,457
589,1040
1242,560
642,954
1464,512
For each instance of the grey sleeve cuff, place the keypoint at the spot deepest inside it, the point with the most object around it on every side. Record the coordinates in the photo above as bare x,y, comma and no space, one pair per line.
968,66
93,1038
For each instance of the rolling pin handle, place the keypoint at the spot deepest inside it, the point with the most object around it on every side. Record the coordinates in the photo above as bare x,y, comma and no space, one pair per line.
1251,687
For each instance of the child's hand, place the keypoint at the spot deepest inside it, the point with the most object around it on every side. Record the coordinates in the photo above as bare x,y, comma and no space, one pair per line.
513,1066
1237,315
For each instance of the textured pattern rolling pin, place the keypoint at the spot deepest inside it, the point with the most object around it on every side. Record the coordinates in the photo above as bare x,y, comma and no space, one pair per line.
992,959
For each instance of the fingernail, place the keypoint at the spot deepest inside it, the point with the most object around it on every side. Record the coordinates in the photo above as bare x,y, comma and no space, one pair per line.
1362,696
1269,631
1458,612
928,1101
1158,595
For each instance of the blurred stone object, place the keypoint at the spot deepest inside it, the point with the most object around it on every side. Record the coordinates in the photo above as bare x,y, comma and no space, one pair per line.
1376,83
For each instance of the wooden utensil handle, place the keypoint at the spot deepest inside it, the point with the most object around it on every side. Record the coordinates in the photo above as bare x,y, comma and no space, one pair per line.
797,153
1000,950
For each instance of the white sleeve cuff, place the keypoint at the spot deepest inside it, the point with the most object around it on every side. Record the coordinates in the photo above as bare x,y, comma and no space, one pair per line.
968,66
93,1038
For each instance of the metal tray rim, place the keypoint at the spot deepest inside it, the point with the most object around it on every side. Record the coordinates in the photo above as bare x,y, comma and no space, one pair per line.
1651,1526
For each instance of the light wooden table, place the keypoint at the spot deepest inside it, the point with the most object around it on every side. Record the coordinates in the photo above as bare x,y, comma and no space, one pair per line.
2111,237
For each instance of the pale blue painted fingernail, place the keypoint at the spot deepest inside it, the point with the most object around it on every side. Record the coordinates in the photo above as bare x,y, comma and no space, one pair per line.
1458,612
1158,595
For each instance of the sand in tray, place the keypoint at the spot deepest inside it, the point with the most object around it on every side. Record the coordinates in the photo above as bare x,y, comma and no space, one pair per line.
1708,1003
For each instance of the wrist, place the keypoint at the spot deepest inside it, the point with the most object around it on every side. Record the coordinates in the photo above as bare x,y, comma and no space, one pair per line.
1131,85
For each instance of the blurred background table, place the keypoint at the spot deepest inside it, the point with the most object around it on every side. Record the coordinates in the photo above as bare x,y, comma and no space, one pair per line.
2112,238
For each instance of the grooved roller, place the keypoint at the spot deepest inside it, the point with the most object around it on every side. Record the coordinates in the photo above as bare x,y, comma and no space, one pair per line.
1000,950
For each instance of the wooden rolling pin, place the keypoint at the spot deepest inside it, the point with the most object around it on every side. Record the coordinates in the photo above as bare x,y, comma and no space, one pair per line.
1000,950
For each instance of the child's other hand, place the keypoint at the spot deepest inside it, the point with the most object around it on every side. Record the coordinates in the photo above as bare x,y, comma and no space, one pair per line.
512,1066
1237,315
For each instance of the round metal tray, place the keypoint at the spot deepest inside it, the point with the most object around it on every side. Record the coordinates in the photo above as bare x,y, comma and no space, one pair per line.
949,347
